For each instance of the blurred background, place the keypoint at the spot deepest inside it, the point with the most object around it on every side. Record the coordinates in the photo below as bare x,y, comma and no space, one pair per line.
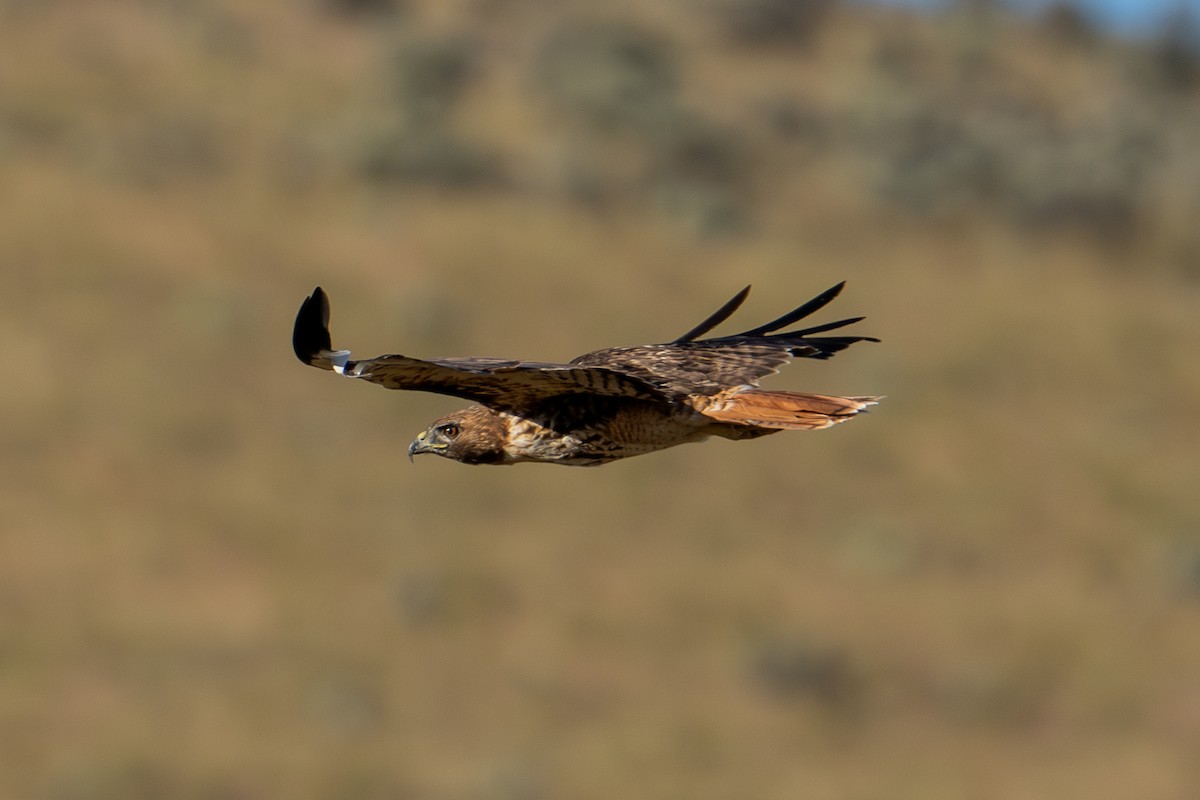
221,579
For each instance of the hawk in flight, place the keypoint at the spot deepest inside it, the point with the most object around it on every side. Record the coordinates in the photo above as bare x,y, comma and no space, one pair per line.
608,404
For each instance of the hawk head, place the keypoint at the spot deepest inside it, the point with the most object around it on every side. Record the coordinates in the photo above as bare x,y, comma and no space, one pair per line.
474,435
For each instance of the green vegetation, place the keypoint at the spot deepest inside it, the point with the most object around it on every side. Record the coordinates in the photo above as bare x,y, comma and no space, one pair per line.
220,577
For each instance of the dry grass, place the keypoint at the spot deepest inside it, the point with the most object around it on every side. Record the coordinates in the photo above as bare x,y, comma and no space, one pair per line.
219,577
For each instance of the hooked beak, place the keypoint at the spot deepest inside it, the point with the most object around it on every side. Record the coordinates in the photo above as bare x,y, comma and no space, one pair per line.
421,444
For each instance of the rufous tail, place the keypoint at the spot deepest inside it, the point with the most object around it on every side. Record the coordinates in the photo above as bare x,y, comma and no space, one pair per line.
787,410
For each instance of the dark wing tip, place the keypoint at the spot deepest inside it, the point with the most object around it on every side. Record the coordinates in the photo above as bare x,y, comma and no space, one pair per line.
822,347
716,318
311,333
811,307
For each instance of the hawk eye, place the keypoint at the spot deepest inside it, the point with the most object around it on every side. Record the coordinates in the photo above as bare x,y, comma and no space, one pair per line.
449,430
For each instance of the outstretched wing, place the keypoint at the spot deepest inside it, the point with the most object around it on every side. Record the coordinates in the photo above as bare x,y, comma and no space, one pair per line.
500,383
687,366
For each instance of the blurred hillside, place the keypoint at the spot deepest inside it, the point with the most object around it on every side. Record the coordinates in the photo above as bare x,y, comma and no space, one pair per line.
221,579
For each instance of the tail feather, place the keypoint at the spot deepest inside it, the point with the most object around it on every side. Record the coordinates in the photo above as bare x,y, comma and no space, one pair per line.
787,410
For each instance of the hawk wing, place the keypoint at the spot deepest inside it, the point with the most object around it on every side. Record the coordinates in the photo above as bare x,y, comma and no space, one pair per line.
499,383
692,366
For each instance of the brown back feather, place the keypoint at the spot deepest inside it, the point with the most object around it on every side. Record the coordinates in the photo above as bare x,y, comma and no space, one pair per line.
708,366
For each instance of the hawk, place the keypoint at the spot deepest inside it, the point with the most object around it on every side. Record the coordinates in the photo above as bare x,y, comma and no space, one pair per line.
608,404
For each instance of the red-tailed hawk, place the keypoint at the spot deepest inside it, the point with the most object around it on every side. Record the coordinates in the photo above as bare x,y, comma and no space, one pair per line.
608,404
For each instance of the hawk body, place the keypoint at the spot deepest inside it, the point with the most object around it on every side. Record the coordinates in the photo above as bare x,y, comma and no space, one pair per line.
608,404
